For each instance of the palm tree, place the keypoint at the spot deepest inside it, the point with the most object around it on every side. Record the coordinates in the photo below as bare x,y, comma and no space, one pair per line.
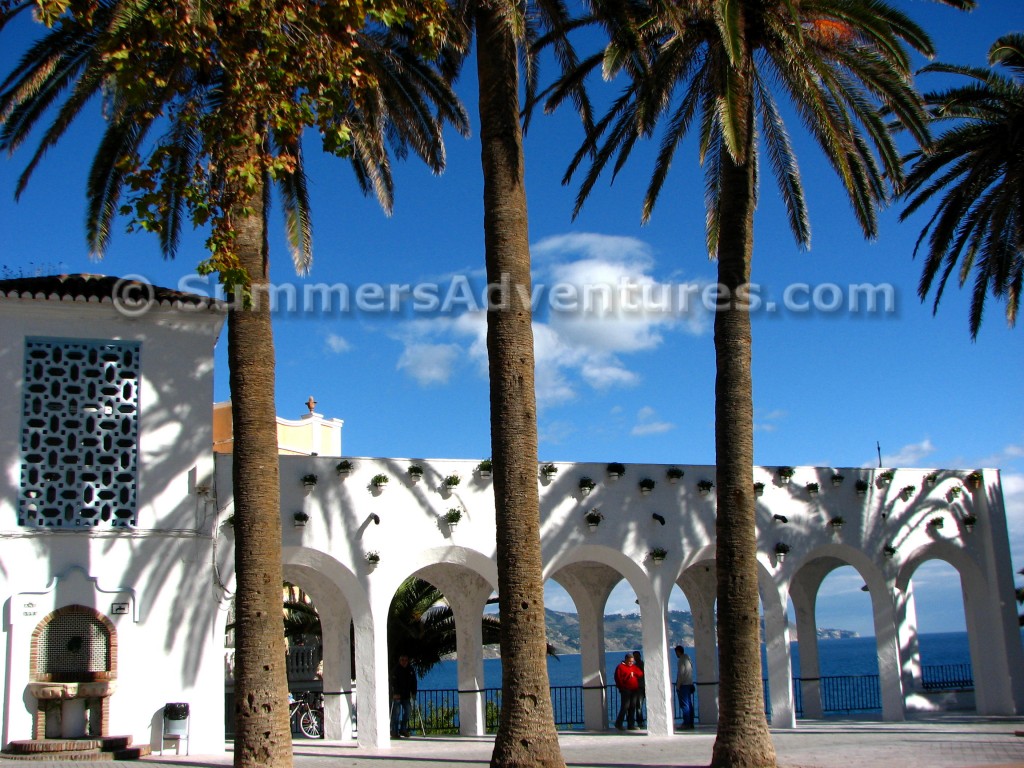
976,172
236,86
504,31
722,66
421,625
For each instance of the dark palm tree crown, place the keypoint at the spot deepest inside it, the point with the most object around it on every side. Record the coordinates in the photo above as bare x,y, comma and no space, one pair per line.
838,63
184,170
975,170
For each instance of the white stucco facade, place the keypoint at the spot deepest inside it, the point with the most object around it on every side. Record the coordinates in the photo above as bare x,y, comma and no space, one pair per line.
404,524
161,585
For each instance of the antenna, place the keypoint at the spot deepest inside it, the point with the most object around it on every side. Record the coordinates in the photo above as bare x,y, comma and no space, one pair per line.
878,446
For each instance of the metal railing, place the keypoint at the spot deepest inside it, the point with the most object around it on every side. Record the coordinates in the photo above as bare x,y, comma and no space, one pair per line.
840,694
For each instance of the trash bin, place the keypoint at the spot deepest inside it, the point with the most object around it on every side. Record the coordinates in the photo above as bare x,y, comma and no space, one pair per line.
176,722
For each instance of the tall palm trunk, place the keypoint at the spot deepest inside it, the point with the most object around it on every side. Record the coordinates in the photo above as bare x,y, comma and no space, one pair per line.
743,740
526,734
262,731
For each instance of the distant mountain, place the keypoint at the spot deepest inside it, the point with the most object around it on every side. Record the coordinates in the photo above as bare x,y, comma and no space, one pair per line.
623,631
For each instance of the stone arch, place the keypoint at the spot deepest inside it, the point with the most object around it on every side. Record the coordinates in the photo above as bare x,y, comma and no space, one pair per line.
992,676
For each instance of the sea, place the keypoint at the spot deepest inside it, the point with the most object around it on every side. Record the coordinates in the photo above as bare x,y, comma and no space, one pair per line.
839,656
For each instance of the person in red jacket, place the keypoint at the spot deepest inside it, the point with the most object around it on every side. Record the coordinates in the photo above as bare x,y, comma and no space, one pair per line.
627,679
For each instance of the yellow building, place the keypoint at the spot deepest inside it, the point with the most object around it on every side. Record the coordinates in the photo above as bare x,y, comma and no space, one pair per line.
309,435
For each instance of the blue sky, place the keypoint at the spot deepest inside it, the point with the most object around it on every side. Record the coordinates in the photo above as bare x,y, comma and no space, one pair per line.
828,383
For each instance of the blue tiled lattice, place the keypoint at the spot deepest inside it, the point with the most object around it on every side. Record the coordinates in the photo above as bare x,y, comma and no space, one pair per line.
79,433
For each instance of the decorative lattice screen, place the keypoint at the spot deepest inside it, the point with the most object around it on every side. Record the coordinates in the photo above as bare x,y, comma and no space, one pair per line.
73,644
79,433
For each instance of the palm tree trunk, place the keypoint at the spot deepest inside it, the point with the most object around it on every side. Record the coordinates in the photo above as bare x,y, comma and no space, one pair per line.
743,740
262,730
526,734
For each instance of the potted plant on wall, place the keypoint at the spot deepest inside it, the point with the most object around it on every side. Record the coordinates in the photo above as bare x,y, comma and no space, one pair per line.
812,489
586,486
781,550
301,518
955,491
885,477
969,522
452,517
931,479
484,468
646,486
593,518
837,479
936,522
889,551
674,474
616,470
373,558
415,473
451,481
862,487
907,491
549,471
343,468
973,480
785,474
658,555
380,482
309,481
759,489
837,522
704,487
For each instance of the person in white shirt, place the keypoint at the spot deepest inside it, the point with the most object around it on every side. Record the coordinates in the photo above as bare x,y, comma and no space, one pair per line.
684,685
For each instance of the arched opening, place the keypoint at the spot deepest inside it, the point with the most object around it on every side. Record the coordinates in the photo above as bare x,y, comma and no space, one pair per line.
935,648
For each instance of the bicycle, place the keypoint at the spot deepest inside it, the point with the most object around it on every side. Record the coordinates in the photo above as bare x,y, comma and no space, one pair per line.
309,719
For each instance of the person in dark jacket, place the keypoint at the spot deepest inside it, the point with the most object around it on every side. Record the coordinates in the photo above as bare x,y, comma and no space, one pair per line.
641,696
627,680
402,683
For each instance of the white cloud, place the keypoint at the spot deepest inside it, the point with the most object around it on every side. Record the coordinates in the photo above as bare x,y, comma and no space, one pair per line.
430,363
909,455
648,424
576,345
1013,498
766,422
337,344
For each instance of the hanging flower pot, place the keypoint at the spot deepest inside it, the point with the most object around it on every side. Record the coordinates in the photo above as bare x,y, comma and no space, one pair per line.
837,480
309,481
785,475
343,468
812,489
889,551
300,518
646,486
674,474
969,522
759,489
484,468
781,550
452,517
379,482
704,487
616,470
837,522
593,518
658,555
415,473
884,478
973,480
586,486
862,487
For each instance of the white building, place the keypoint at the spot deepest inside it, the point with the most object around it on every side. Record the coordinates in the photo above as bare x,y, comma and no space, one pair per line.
115,559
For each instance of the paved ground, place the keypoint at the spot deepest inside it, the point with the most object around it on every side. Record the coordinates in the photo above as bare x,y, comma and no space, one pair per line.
937,742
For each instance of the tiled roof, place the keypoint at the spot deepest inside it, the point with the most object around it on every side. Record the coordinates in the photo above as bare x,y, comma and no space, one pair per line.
97,288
